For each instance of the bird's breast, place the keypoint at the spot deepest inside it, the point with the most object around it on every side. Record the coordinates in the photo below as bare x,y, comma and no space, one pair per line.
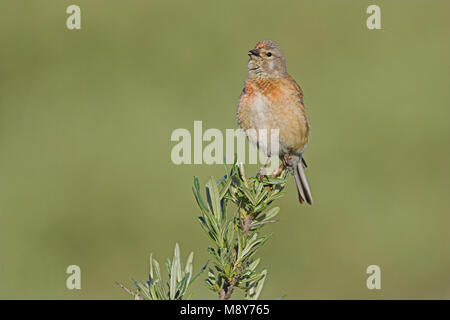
273,105
255,109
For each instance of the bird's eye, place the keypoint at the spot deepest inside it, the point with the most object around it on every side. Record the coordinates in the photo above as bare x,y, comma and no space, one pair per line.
269,54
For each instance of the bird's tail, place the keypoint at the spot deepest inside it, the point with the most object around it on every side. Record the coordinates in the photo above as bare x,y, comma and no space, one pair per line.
304,194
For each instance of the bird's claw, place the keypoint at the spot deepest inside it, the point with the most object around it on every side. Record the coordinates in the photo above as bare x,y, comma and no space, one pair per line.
287,161
262,173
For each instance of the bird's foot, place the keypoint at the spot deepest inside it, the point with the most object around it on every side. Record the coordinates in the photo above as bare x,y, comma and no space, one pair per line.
287,161
262,173
277,172
285,164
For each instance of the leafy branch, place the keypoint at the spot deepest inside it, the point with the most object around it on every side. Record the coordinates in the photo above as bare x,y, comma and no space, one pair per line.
236,237
180,279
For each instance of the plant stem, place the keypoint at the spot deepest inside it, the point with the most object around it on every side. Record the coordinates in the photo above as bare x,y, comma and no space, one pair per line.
228,287
237,238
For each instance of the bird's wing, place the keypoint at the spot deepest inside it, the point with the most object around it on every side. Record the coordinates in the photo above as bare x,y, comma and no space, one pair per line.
297,90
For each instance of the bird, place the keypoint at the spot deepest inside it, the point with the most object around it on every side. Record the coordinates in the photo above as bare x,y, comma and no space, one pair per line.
272,99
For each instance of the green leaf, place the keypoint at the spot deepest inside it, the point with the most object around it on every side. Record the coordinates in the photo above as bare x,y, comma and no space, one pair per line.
262,195
269,214
225,231
173,282
225,188
153,292
158,277
258,187
275,181
255,276
189,266
260,286
160,291
198,274
275,196
175,272
249,195
182,286
168,266
212,222
227,270
253,245
198,195
177,260
150,272
253,265
143,290
214,198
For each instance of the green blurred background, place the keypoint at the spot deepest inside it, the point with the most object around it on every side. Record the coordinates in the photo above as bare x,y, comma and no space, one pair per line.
86,118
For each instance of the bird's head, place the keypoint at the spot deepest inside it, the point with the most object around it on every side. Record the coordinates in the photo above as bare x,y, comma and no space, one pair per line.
266,60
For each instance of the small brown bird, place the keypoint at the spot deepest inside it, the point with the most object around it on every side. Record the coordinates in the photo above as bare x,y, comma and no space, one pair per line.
271,99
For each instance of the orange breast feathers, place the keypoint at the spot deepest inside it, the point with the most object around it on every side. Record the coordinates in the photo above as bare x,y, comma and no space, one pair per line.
275,104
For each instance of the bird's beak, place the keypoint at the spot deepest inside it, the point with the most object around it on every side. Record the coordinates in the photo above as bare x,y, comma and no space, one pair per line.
254,52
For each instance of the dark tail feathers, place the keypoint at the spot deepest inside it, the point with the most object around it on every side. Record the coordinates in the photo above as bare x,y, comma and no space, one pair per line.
304,193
